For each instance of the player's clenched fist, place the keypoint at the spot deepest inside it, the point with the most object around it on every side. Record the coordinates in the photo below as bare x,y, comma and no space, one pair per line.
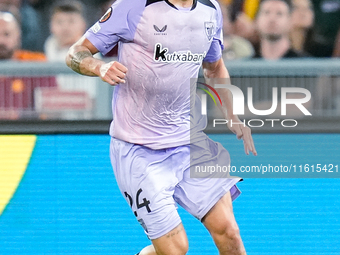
113,73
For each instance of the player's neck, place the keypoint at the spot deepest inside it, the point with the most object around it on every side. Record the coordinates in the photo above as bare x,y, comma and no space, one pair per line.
182,3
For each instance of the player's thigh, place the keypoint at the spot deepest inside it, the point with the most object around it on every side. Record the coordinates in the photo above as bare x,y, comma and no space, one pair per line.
220,220
147,181
197,193
174,242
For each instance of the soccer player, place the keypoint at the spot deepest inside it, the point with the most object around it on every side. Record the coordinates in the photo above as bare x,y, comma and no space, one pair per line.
156,136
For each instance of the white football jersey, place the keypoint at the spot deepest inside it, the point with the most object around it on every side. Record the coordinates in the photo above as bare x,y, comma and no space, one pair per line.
163,47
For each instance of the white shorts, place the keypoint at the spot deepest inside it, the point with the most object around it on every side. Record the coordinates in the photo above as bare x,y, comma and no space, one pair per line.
153,181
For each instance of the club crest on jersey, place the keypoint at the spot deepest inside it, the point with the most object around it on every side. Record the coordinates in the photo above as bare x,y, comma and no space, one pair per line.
209,29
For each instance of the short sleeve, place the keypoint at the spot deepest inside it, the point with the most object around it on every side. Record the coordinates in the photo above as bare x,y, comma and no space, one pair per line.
119,23
216,47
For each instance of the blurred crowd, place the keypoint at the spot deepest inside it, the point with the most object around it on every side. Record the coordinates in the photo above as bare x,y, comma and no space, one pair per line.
44,30
282,29
41,30
270,29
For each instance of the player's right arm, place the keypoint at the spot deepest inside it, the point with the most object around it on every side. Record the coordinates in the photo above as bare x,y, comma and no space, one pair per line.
80,59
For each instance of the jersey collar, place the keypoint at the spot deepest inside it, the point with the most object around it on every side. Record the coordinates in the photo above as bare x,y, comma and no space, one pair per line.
193,5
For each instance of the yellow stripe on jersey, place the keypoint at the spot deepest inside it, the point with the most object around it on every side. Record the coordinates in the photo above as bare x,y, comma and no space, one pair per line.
15,153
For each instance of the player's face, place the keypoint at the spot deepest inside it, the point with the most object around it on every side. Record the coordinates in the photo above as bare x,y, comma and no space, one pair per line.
303,14
273,20
67,27
9,37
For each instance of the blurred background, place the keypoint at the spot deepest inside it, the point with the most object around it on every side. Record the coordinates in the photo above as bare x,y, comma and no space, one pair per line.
273,44
57,191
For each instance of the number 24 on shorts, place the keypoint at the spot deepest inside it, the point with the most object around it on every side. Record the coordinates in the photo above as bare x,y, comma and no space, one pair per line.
139,205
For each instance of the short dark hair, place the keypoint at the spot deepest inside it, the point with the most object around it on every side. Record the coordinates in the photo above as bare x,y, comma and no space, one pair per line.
288,2
70,6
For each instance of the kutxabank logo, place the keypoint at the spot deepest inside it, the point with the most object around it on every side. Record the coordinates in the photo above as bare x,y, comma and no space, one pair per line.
238,103
161,55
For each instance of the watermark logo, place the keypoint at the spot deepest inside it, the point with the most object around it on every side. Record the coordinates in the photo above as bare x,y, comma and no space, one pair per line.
239,103
204,96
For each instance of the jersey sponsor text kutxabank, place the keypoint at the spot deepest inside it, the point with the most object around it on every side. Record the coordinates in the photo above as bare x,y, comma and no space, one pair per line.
163,47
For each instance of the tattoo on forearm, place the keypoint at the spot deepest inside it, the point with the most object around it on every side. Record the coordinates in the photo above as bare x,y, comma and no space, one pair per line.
77,58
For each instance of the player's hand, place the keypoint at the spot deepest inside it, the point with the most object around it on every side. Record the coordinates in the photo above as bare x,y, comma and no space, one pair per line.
113,73
243,132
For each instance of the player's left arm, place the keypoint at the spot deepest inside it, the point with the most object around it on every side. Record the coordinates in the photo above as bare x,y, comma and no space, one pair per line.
218,70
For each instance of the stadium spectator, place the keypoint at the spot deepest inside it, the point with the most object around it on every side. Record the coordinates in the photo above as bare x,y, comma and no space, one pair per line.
326,26
10,37
242,13
235,47
302,23
67,25
17,92
273,23
30,27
